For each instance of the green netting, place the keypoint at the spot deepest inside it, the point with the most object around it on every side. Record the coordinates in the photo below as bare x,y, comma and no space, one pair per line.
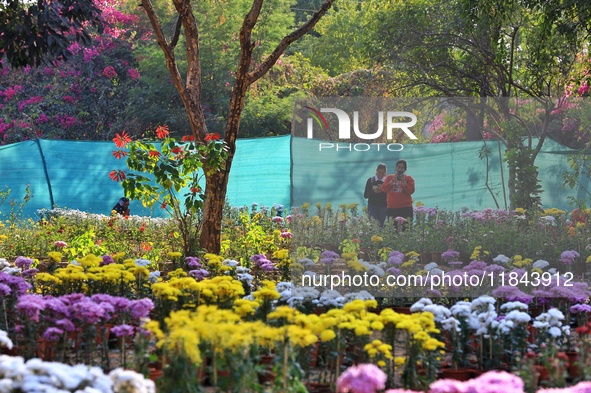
75,175
447,175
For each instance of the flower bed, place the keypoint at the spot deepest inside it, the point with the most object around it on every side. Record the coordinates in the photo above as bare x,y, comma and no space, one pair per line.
234,321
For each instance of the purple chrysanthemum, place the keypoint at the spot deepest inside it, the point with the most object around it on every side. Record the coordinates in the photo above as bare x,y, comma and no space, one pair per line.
568,257
140,308
193,263
31,305
395,258
198,274
53,334
364,378
107,260
450,256
23,262
123,330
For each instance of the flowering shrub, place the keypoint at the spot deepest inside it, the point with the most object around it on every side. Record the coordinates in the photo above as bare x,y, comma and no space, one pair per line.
36,375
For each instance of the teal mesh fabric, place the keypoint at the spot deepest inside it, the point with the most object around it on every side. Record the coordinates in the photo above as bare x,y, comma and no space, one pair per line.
284,170
75,175
447,175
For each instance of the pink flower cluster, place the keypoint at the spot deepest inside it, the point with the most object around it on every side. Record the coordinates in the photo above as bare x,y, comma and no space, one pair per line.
110,72
31,101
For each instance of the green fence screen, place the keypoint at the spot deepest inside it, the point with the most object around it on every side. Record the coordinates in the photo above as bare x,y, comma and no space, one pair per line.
284,170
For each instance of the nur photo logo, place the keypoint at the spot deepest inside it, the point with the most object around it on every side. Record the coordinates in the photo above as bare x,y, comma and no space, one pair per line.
350,127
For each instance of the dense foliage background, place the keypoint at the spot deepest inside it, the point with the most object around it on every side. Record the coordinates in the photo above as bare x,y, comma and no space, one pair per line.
368,48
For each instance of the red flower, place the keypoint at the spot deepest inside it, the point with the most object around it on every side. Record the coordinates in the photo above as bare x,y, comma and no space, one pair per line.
582,330
163,206
212,137
195,190
117,175
162,131
154,153
177,150
188,138
121,140
119,153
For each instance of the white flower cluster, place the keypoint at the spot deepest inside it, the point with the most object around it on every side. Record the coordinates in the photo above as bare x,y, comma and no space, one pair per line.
374,269
301,297
37,376
479,315
79,216
242,274
551,323
501,259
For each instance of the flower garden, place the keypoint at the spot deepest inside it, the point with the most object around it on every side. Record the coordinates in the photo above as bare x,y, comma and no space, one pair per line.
93,303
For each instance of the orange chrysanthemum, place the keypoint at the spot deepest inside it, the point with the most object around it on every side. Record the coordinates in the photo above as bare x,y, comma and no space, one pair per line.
154,153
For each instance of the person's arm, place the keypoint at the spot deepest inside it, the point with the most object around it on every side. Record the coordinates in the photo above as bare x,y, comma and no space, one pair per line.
368,188
387,186
408,187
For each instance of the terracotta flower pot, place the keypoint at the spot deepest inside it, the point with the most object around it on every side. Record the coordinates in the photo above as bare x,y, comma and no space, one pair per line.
459,374
573,364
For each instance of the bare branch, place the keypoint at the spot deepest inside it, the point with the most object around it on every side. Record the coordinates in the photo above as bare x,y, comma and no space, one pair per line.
177,32
288,40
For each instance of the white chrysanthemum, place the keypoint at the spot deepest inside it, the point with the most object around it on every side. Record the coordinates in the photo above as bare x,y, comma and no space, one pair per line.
556,314
129,381
501,259
245,277
283,286
373,270
548,220
509,306
566,330
230,262
242,269
518,316
482,302
541,324
363,295
439,312
555,331
142,262
540,264
5,341
552,270
420,304
11,271
4,263
436,272
450,324
154,276
431,266
306,262
461,309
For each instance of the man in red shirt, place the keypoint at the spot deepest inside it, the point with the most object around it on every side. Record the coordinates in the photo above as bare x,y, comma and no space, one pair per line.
399,188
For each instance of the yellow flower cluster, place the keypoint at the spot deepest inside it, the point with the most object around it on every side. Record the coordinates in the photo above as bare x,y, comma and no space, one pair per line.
266,293
478,253
519,261
224,331
88,276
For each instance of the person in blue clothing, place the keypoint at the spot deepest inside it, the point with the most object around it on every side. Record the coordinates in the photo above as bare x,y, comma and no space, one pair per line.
376,197
122,206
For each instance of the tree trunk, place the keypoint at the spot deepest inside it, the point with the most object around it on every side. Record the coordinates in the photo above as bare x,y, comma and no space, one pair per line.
213,208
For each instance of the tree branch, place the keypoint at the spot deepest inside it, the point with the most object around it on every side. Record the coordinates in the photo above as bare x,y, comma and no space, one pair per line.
177,32
288,40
